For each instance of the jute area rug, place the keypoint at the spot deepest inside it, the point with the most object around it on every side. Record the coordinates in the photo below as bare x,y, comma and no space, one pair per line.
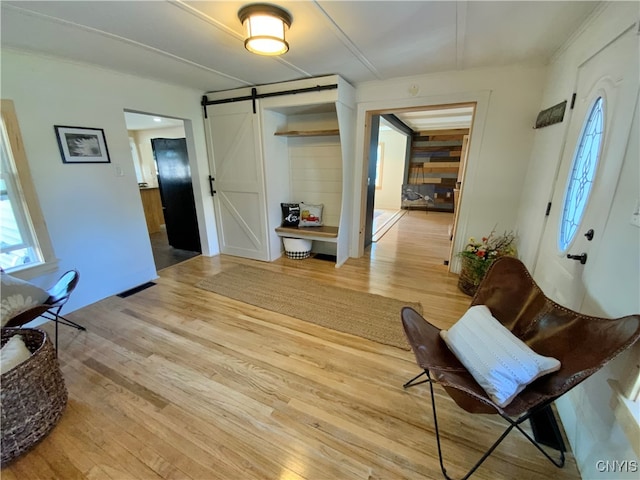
365,315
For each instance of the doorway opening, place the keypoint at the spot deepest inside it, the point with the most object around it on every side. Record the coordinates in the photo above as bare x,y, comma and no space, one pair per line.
158,149
417,160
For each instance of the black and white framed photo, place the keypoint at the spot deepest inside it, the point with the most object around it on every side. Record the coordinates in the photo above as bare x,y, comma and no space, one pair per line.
82,145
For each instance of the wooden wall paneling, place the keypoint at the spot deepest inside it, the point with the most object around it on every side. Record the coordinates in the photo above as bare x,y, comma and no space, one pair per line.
435,160
316,174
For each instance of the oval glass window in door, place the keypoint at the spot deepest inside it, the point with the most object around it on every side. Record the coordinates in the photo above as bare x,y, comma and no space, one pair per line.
581,177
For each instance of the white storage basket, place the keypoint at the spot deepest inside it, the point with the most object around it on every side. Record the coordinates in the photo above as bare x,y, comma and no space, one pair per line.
297,248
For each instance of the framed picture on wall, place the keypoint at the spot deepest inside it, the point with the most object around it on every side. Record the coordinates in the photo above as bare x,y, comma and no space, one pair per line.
82,145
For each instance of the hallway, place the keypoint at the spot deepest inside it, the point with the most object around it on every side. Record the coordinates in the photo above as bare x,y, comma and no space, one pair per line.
418,236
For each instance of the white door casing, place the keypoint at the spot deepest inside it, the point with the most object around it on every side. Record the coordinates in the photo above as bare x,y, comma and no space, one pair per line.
239,202
611,74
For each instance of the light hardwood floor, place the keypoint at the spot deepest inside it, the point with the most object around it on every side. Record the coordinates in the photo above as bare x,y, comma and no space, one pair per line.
178,382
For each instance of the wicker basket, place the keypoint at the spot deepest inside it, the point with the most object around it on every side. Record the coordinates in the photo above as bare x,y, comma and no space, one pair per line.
33,395
468,281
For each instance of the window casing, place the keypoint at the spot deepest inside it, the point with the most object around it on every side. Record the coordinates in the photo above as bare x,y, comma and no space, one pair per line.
24,240
582,175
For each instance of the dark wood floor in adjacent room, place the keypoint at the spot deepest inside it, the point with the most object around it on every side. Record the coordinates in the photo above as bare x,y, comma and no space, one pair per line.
178,382
164,255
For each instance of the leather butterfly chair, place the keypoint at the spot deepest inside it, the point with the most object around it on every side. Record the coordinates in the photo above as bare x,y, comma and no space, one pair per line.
582,343
59,293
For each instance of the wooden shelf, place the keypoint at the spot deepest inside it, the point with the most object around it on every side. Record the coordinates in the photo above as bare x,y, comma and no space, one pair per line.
308,133
324,233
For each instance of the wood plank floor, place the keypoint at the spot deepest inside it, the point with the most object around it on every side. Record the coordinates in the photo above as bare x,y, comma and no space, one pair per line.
178,382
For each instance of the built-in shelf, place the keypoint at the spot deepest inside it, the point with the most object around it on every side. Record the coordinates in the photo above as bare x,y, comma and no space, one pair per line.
308,133
324,233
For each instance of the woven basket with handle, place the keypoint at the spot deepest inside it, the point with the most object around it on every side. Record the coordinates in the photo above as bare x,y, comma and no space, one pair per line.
33,395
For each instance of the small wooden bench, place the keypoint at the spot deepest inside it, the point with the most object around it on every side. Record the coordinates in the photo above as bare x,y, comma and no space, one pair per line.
324,233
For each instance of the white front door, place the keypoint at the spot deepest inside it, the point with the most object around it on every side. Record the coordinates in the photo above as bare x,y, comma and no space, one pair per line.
240,206
597,138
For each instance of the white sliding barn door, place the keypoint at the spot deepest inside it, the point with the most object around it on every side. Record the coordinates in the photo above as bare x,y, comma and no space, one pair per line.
597,139
234,136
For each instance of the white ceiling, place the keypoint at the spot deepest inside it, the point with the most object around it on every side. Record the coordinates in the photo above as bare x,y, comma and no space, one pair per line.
199,44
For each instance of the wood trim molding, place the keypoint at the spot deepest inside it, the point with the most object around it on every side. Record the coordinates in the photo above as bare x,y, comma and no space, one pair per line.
626,413
10,120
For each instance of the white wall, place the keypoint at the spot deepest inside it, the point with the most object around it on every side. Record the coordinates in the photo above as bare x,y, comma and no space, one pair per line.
315,165
94,215
395,144
316,174
587,416
508,101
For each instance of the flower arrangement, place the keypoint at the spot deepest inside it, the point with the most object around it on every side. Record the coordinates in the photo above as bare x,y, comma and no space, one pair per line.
478,256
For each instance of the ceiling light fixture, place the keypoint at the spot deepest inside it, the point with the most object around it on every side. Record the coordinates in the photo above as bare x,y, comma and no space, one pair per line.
265,26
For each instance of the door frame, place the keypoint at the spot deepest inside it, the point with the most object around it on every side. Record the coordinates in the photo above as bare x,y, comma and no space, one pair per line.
480,100
208,242
373,121
374,141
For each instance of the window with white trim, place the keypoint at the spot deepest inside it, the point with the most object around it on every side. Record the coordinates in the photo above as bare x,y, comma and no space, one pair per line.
24,241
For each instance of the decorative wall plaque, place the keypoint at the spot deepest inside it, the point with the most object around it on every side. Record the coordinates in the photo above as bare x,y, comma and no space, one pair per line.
551,115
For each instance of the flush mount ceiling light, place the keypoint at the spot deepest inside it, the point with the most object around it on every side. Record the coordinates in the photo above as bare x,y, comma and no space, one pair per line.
265,26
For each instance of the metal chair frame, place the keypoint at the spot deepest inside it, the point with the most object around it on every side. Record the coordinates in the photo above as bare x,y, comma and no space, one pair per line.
59,294
512,424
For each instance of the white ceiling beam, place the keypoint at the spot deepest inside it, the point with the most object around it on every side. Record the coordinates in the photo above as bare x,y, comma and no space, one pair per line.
344,38
461,32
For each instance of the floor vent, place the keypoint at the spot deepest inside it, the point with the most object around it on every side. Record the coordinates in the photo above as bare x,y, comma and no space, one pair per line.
134,290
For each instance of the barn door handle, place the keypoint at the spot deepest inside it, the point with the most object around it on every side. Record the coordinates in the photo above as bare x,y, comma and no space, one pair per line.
211,180
582,258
